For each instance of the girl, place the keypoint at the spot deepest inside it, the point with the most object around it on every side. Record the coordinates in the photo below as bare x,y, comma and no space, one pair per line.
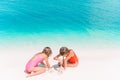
32,66
69,58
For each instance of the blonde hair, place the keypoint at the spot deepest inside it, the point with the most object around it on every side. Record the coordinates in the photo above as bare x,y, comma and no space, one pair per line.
63,50
47,51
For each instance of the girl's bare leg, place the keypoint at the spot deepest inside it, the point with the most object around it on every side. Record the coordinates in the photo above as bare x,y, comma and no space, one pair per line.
36,71
72,65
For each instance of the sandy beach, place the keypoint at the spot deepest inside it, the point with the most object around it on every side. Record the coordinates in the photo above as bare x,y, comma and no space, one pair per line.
89,68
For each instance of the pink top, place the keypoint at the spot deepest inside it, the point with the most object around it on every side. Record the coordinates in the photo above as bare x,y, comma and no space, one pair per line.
33,63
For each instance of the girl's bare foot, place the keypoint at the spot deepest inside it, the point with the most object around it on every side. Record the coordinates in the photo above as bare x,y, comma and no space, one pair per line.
29,75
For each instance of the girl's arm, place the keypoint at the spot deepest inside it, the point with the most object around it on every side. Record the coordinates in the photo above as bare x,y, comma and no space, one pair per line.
67,58
56,57
47,62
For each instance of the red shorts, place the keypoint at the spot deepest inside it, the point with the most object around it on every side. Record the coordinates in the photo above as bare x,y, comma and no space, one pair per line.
73,59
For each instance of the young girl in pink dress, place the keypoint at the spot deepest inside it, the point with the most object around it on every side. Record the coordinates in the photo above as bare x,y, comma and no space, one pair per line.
32,67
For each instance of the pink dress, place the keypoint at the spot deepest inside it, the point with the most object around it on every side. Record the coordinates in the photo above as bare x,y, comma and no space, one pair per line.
33,63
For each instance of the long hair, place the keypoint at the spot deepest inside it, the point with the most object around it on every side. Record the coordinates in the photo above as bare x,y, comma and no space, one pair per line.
47,51
63,50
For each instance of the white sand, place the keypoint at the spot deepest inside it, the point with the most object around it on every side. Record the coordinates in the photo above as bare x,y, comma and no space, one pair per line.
90,67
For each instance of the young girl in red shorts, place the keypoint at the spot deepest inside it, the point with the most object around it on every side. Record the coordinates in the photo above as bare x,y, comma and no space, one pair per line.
69,58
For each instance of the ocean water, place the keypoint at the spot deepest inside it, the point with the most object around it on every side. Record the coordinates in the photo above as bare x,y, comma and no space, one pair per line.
80,24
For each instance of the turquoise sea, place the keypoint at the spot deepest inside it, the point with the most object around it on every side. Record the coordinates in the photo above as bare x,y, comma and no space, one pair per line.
55,23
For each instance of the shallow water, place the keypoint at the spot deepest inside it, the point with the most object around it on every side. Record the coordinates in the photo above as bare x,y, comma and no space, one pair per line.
89,24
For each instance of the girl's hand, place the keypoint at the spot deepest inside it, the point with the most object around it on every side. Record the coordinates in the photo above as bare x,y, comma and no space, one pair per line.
55,58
